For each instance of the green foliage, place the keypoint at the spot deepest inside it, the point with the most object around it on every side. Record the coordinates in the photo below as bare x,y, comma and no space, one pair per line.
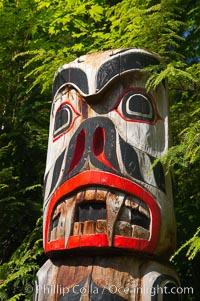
18,275
193,245
23,130
146,24
47,62
74,27
188,151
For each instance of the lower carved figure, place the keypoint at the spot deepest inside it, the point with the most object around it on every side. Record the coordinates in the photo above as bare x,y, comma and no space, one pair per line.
109,224
106,278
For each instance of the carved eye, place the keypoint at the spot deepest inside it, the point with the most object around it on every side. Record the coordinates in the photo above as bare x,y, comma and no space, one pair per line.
64,119
136,105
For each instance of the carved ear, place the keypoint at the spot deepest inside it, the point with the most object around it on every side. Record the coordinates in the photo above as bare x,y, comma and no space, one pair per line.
165,288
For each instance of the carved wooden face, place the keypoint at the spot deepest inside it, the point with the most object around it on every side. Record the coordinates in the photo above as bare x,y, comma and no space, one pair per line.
106,130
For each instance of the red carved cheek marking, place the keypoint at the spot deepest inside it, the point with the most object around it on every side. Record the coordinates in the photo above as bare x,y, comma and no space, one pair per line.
79,150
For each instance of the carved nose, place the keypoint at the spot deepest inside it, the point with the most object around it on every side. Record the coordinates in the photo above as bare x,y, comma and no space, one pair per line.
94,142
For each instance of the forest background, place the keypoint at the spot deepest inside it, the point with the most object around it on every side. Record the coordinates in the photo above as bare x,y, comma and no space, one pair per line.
37,37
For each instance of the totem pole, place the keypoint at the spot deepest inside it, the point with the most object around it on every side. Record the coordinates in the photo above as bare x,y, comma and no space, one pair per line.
109,225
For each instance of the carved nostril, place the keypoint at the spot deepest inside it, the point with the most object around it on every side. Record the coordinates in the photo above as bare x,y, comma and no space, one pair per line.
99,147
78,151
98,141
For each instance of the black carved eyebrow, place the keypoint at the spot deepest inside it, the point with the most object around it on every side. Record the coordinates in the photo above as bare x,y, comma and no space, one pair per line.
122,63
74,76
117,65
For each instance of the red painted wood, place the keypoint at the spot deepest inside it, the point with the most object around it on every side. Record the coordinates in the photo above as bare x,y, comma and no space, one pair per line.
79,150
98,240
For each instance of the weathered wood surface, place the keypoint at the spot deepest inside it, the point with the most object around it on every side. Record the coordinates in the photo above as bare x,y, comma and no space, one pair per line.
101,195
108,278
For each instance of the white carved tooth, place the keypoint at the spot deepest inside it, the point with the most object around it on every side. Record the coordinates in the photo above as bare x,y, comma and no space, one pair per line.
61,221
140,232
53,234
78,228
123,228
128,202
70,205
113,206
101,194
132,202
89,227
55,214
144,210
80,197
125,214
101,226
90,194
135,203
61,227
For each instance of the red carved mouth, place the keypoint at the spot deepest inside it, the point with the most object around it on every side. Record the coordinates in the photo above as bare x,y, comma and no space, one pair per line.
96,209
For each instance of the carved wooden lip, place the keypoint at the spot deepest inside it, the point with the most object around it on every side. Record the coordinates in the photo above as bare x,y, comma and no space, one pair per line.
115,230
97,210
